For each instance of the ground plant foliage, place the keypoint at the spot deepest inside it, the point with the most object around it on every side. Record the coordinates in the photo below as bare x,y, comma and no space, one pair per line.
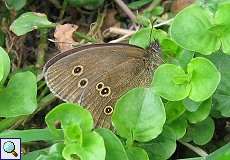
184,114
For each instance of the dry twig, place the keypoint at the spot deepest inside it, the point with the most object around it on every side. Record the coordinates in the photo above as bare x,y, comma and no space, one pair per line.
126,9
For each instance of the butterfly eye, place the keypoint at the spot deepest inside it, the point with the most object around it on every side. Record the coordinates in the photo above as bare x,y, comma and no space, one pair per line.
99,86
77,70
83,83
105,91
108,110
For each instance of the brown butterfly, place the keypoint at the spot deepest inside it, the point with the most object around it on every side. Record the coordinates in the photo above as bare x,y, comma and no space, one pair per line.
96,75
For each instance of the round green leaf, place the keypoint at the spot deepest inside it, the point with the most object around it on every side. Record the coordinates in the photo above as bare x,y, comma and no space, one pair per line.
185,58
113,145
202,112
29,21
165,82
207,127
92,148
162,147
146,115
222,17
15,4
4,65
142,37
173,110
55,152
170,48
205,78
222,94
136,153
138,4
191,105
68,113
72,133
190,29
222,153
19,97
179,127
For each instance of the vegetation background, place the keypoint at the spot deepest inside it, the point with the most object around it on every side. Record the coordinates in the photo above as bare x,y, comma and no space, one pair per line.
188,102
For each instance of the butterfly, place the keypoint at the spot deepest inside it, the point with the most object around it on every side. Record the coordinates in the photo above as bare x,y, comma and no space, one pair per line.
97,75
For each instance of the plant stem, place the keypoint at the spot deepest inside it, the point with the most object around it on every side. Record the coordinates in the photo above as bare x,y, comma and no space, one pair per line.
120,31
45,101
43,92
62,12
164,23
8,122
126,9
42,47
153,4
95,30
195,149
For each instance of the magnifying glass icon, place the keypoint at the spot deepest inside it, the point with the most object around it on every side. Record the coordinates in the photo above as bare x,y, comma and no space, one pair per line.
9,147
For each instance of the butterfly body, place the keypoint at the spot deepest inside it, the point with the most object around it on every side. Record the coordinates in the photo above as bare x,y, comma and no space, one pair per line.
95,76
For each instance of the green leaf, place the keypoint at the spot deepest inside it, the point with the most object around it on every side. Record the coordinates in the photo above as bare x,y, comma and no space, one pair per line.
136,153
142,37
146,115
54,152
138,4
162,147
191,105
173,110
169,47
164,82
223,18
114,147
202,112
207,127
31,135
73,133
92,148
205,78
4,65
82,36
70,113
222,153
19,96
179,127
15,4
185,58
211,4
190,29
222,95
156,11
30,21
34,154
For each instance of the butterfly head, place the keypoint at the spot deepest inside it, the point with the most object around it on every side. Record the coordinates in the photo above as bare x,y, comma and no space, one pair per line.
154,47
154,54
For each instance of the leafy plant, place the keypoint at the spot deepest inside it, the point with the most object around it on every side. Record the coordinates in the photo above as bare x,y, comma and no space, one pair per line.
189,92
30,21
14,4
